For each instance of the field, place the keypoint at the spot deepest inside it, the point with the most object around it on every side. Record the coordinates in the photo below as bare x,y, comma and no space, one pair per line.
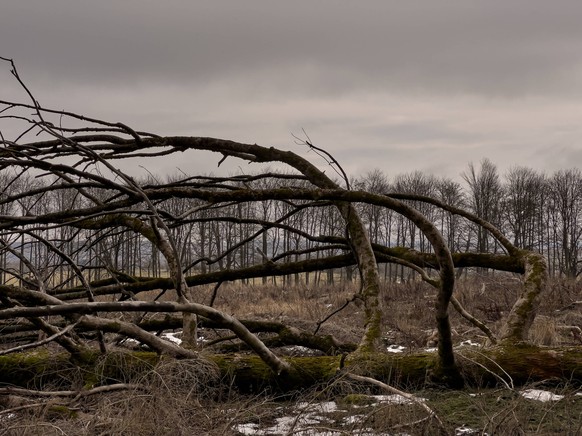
180,398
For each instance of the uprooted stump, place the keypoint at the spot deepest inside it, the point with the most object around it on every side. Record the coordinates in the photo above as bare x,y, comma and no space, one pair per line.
513,365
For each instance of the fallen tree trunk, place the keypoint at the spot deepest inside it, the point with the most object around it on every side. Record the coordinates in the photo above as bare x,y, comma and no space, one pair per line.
135,285
513,366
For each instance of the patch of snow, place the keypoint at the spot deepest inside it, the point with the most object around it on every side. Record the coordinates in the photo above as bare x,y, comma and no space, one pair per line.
395,348
308,418
540,395
323,407
250,429
352,419
299,350
394,399
172,338
464,430
128,341
7,416
308,414
288,425
431,350
469,343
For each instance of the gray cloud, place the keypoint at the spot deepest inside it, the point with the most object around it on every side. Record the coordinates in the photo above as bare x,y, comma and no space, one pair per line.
378,82
450,46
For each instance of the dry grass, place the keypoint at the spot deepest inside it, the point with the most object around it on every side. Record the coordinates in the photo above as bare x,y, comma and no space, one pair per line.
298,306
172,398
349,409
186,398
408,318
409,308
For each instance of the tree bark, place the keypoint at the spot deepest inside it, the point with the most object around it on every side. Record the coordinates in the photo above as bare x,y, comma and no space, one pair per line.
523,312
516,365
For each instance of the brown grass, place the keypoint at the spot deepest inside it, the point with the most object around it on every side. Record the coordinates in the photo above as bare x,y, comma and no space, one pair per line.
186,398
409,308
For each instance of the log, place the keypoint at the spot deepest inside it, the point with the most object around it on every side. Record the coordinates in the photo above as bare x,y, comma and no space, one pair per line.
514,365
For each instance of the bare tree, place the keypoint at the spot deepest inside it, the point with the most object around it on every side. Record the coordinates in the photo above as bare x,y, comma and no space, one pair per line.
565,211
485,191
100,222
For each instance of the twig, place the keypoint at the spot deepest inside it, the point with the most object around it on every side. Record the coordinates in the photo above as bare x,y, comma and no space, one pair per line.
326,155
40,343
342,307
509,385
457,305
397,392
214,293
84,393
24,407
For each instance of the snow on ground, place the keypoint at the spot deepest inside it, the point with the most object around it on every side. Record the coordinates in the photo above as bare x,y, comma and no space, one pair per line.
466,431
7,416
469,343
129,341
540,395
393,399
172,337
309,419
299,350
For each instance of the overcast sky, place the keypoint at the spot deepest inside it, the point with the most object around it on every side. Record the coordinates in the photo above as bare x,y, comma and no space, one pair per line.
397,85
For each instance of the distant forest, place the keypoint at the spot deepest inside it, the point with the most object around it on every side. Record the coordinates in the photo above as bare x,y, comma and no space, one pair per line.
536,211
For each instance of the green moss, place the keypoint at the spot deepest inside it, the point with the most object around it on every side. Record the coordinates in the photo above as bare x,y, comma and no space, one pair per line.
495,411
36,368
523,363
524,310
459,407
373,331
399,370
251,375
56,412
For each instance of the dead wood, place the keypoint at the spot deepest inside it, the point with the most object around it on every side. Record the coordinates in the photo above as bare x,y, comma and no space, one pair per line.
485,367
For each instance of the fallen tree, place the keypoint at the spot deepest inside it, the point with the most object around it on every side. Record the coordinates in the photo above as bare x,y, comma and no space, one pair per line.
509,366
67,203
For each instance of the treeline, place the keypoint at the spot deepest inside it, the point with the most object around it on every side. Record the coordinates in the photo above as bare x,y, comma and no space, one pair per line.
535,211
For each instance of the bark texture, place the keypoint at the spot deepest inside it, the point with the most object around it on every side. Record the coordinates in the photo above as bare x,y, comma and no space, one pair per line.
515,365
523,312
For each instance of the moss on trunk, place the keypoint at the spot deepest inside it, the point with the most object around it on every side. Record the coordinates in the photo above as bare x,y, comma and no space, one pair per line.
516,365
